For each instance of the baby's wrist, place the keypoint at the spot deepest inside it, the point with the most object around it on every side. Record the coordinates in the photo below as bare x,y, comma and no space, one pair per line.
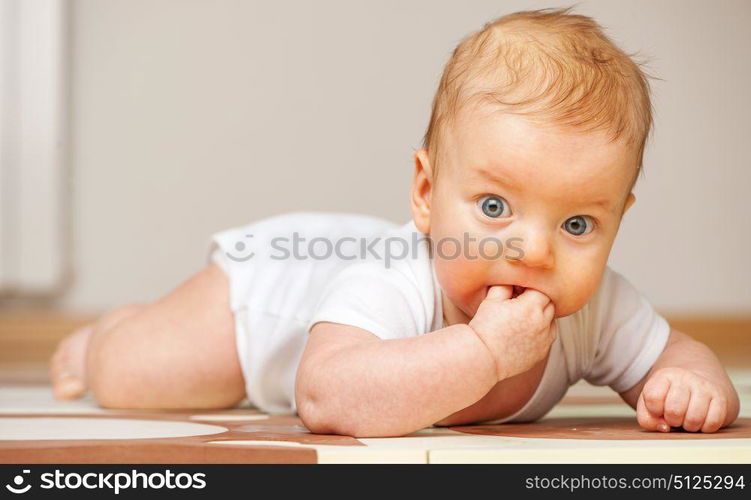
499,375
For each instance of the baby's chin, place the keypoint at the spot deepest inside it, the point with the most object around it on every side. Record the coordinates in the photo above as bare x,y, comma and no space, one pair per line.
563,308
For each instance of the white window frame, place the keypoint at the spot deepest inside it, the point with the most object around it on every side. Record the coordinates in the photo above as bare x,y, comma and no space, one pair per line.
34,207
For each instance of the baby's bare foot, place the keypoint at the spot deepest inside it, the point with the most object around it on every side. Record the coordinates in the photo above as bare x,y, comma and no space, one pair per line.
68,364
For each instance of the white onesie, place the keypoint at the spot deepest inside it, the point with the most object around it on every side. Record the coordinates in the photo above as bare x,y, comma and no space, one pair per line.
288,272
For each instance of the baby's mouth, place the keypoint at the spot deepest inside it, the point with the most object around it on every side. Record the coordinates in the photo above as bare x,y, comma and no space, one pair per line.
517,290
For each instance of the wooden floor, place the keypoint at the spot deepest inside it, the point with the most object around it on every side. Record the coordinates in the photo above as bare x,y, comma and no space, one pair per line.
28,338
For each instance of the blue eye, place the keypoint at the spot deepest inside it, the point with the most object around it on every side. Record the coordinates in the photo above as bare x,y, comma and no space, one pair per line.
579,225
494,206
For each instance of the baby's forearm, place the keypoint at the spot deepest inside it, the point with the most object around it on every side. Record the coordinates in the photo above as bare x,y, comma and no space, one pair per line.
394,387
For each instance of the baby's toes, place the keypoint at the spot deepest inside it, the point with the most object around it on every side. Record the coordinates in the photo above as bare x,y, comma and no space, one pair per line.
67,365
66,386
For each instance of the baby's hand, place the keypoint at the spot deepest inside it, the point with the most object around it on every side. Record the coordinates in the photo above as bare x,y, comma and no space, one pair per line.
518,332
681,398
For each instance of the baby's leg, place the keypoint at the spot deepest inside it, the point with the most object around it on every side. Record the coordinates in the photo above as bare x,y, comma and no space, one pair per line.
177,352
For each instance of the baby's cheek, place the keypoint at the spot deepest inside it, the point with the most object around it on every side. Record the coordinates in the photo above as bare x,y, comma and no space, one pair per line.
462,280
576,290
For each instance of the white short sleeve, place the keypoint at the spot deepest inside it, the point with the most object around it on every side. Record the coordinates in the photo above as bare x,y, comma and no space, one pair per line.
367,295
631,334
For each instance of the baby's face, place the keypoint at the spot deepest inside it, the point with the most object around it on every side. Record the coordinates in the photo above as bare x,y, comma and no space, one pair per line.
548,200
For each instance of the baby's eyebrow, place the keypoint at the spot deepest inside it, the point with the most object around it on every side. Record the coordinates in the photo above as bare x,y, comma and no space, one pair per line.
501,178
498,177
604,203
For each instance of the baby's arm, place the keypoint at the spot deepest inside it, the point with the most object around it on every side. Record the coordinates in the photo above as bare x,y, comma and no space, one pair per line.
352,382
687,387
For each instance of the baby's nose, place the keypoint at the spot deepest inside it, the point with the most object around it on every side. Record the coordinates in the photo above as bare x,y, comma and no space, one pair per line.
536,249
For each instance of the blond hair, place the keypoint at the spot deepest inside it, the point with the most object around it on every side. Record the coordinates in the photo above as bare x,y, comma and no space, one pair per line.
550,64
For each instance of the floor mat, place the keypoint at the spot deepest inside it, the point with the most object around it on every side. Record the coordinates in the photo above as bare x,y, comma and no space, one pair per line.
590,425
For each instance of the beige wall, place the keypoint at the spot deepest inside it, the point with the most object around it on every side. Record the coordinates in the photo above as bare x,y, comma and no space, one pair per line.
194,116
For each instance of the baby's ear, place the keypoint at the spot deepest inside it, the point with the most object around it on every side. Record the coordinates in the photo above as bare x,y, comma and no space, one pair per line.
629,201
419,195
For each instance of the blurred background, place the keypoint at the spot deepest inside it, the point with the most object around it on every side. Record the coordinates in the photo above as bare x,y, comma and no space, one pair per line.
132,130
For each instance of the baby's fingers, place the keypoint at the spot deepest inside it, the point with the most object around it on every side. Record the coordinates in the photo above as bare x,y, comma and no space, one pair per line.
534,297
648,420
549,312
676,404
715,415
697,411
654,393
499,292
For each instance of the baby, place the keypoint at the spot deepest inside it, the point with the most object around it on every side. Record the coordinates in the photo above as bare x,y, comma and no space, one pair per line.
485,307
